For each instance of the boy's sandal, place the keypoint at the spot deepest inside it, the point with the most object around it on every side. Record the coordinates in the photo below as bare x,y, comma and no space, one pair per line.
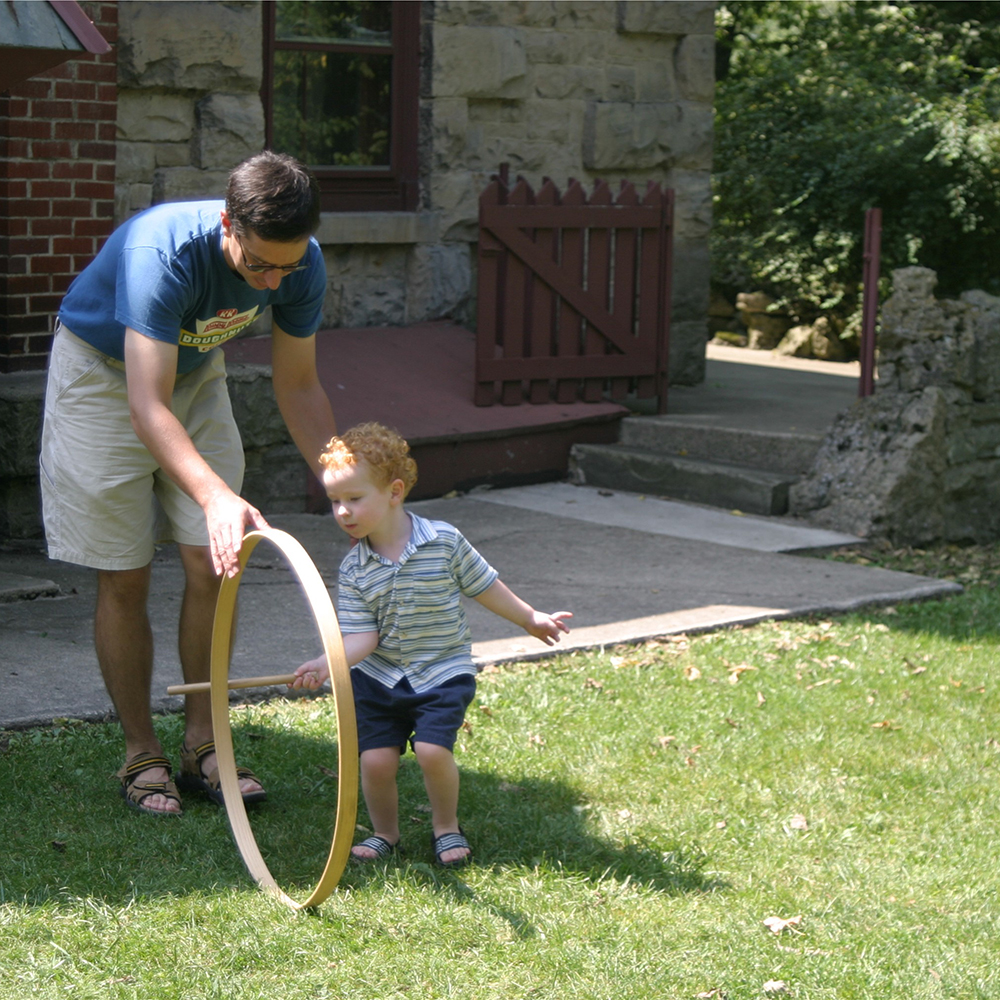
135,792
451,842
191,777
382,848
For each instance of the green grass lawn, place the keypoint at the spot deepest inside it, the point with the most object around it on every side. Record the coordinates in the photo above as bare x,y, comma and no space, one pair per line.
639,816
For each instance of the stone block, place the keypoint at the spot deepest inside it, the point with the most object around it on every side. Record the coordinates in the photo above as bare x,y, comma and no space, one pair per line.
276,480
438,281
20,508
230,127
695,67
366,286
190,46
350,228
687,351
188,184
623,136
173,154
456,196
655,80
22,396
450,124
653,17
479,62
147,116
255,409
140,196
134,161
620,83
690,285
692,204
479,13
557,82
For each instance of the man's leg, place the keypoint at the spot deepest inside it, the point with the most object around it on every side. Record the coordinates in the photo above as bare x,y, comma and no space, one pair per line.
124,643
201,588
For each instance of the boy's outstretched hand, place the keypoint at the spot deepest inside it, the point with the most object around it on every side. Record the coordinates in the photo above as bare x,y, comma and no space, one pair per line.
311,675
548,627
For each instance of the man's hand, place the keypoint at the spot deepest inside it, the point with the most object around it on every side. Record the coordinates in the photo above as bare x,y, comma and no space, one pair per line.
229,517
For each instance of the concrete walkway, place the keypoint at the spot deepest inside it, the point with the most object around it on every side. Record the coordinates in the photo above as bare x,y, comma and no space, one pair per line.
627,567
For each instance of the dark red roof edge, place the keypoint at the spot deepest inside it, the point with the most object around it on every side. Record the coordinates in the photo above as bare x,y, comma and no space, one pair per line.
77,21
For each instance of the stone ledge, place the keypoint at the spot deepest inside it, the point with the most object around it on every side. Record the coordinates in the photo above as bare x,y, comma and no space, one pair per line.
377,227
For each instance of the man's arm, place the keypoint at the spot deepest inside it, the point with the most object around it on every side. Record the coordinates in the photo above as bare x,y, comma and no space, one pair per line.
303,402
150,371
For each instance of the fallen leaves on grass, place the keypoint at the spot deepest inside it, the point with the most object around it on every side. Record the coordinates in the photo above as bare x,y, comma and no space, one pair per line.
774,986
691,672
778,924
798,822
885,724
736,672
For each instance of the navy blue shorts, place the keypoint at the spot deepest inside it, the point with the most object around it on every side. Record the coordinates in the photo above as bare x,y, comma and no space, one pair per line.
391,717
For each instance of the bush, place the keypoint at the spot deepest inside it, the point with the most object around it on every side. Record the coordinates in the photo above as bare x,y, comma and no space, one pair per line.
824,110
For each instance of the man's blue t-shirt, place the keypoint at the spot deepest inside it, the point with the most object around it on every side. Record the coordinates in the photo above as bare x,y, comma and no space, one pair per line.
163,273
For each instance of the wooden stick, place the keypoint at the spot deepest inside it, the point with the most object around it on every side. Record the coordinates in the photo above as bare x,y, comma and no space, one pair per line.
234,682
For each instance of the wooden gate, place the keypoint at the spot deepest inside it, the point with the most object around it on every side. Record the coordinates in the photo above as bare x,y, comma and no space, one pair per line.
574,293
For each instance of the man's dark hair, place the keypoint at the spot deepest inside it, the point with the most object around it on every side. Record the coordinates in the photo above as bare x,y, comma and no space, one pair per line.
274,196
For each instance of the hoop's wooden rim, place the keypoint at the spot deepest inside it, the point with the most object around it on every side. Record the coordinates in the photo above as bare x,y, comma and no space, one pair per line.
347,730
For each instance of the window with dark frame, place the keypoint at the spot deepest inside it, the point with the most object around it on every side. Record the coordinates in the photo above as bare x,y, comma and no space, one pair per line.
341,92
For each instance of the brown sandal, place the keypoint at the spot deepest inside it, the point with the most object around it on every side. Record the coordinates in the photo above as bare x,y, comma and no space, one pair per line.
191,778
135,792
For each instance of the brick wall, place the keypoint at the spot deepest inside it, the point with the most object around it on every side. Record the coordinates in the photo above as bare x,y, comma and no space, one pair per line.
57,187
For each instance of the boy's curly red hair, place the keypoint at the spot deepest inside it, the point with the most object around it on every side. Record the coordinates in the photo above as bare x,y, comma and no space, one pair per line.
386,453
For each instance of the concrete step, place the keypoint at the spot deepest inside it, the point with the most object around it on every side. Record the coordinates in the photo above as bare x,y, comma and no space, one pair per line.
789,453
719,484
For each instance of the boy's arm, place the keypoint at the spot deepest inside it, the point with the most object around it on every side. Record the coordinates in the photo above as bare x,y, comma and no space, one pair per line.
502,601
357,645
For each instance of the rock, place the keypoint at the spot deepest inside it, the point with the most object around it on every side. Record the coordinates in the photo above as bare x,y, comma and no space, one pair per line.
796,343
917,461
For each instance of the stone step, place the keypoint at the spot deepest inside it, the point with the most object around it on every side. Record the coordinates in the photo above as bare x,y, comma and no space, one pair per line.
789,453
718,484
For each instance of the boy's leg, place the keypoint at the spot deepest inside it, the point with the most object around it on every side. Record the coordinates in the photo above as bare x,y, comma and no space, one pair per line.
441,781
378,783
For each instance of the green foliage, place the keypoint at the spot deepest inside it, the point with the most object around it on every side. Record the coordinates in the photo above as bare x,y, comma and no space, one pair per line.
826,109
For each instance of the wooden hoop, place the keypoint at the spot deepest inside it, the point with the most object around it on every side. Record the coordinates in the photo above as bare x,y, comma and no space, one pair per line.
347,730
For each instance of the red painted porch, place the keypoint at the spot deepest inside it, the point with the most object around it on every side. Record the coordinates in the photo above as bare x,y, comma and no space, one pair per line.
420,380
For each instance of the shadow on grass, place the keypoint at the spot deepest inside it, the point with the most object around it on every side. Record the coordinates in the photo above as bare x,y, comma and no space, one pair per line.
77,840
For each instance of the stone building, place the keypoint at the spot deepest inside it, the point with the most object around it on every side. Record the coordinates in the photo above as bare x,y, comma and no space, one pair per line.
585,89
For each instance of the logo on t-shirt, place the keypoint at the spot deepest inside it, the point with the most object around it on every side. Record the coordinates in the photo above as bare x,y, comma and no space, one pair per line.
223,326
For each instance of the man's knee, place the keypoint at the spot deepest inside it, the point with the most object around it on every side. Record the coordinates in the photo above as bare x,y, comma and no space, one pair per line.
199,574
123,587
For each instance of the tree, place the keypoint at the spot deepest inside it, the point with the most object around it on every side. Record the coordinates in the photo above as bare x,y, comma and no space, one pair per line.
826,109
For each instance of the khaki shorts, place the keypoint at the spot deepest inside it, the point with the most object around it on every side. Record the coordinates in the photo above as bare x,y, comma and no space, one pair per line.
105,501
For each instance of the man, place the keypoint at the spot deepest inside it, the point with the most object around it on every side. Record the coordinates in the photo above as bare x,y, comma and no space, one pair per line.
139,444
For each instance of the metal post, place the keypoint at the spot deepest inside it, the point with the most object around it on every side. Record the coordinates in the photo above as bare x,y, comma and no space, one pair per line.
869,308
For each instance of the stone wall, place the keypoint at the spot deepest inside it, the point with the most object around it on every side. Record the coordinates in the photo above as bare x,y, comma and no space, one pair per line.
584,89
919,460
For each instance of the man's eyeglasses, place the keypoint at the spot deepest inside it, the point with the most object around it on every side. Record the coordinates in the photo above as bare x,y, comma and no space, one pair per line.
261,268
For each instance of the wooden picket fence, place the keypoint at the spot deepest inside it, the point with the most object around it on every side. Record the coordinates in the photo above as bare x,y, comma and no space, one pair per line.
574,293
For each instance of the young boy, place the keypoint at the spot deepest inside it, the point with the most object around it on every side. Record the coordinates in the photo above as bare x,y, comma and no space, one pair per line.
406,634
